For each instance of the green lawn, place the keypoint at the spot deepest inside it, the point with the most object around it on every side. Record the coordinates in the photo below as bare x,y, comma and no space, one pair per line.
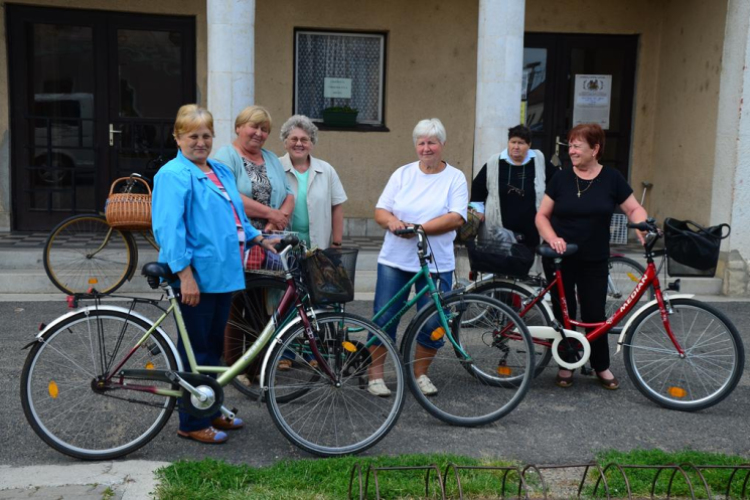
329,479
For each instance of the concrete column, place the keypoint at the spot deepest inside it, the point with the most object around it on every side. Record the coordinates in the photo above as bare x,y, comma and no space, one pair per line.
499,74
730,197
231,63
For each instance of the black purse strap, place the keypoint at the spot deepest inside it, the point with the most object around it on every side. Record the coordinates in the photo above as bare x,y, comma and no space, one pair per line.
716,232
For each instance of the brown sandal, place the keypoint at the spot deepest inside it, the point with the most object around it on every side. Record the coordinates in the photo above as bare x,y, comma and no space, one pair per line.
223,424
563,382
209,435
611,384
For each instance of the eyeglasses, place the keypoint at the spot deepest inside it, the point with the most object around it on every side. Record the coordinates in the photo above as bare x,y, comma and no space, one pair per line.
294,140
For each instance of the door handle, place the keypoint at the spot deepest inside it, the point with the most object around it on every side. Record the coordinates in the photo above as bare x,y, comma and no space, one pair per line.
112,133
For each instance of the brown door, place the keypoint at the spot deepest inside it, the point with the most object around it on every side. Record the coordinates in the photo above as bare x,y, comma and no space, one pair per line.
92,96
551,64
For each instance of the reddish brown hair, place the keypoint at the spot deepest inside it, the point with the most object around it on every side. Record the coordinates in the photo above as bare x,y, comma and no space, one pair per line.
592,133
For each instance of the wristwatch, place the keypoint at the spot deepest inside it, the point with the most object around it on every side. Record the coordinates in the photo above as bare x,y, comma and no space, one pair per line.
335,243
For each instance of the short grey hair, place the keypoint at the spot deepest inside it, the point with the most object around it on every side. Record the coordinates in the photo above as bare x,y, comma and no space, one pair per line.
429,128
299,121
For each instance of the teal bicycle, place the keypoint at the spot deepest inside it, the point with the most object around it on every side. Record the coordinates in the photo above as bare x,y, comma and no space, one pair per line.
481,376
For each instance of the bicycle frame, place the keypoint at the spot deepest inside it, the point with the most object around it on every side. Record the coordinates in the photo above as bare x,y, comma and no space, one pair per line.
424,272
596,330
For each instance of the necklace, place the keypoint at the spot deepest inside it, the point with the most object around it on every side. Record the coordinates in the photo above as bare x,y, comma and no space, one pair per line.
516,189
578,186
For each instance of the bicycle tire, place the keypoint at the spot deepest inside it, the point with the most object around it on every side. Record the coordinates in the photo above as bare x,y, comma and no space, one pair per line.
57,386
490,388
72,266
324,419
711,368
251,310
515,297
624,274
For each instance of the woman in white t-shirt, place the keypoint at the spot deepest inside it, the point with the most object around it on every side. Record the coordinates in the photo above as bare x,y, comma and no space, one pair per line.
431,193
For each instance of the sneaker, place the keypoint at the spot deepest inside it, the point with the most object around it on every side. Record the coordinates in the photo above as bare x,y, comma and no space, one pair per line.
426,385
377,387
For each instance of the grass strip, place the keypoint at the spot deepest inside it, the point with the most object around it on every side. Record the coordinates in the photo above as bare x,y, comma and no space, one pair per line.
641,480
210,479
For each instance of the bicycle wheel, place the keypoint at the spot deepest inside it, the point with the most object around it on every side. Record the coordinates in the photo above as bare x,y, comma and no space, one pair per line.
516,298
495,378
251,310
79,256
64,405
708,372
327,417
624,274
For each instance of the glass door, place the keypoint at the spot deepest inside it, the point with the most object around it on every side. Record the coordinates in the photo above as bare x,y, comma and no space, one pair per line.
553,63
77,78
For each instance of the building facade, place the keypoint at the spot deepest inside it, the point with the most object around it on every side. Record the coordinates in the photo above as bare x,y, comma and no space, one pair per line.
91,87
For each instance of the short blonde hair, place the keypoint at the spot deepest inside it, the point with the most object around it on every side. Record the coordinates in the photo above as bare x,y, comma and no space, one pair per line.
191,117
257,115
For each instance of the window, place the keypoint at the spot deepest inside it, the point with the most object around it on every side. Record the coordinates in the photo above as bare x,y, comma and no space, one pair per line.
353,65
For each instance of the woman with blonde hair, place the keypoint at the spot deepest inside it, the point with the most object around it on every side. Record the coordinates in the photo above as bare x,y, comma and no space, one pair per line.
200,225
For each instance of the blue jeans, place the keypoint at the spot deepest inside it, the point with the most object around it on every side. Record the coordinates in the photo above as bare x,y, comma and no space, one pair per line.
390,281
205,325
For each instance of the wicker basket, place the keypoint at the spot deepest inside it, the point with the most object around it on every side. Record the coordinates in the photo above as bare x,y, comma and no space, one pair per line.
128,210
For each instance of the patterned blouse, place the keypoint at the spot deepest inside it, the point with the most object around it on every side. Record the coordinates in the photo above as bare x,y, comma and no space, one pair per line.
261,188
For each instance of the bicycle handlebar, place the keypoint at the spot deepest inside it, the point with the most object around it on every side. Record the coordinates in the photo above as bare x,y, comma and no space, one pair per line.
288,240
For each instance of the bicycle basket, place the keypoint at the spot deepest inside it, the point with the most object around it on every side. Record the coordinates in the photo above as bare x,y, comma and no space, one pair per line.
618,229
329,275
500,257
129,210
258,260
692,252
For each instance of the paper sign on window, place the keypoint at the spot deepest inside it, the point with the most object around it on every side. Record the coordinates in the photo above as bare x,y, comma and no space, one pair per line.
593,95
338,88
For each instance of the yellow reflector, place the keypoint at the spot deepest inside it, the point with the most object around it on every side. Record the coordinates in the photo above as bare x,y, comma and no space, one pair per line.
53,390
149,366
93,281
349,346
677,392
504,370
633,277
437,333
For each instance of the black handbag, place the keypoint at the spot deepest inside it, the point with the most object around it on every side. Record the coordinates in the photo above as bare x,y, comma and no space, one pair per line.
693,247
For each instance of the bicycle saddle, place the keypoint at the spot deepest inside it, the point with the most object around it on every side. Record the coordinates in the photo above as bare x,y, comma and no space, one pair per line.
547,251
158,270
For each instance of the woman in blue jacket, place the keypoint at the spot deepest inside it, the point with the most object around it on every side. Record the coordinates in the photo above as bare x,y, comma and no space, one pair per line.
201,227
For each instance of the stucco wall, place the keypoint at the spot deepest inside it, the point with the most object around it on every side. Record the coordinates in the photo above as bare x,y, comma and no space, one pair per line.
195,8
688,97
430,71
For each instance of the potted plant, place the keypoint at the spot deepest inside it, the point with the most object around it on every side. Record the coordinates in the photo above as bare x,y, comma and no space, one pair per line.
340,116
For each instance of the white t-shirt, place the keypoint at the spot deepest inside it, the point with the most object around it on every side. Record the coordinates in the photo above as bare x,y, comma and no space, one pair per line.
416,197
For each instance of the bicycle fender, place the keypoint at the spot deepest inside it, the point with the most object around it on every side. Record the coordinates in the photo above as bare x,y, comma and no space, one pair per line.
277,340
641,310
123,310
528,289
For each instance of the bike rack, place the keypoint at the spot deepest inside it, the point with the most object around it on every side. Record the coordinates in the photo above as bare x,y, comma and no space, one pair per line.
524,486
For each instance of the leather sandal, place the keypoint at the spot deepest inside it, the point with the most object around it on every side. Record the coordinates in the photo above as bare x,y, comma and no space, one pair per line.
209,435
611,384
285,365
223,424
564,382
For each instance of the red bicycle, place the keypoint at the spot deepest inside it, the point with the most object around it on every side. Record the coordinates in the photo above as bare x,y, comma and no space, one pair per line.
679,352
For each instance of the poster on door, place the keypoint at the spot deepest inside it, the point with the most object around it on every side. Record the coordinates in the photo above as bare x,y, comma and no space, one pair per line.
592,99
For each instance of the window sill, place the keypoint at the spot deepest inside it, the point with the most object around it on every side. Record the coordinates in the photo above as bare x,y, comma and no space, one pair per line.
361,127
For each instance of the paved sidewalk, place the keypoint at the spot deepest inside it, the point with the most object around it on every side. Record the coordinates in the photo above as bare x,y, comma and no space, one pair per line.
120,480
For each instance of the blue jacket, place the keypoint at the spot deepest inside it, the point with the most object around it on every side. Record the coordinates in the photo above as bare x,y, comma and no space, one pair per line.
280,187
194,224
